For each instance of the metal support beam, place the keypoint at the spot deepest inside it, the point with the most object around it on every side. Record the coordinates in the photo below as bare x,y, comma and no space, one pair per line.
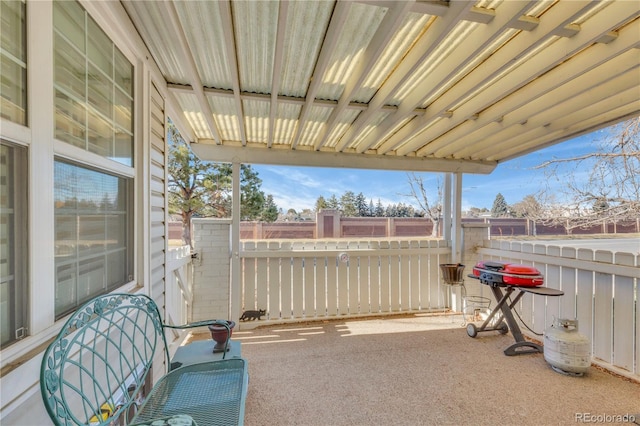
446,208
285,157
456,234
235,298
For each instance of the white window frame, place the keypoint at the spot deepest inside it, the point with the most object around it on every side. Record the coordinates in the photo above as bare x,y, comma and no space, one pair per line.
20,385
19,246
81,157
20,62
43,149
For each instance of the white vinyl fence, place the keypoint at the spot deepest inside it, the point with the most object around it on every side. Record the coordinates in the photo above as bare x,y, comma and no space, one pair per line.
325,279
600,291
178,287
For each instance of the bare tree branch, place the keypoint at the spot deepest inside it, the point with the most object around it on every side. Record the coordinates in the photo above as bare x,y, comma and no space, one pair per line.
604,184
431,208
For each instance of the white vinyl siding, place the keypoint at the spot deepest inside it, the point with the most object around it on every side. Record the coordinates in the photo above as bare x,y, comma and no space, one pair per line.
157,191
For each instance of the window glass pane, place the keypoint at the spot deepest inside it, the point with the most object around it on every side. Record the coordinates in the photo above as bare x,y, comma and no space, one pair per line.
12,29
91,231
66,275
123,72
70,120
68,20
123,109
13,237
99,48
116,266
93,86
100,92
124,148
100,136
13,62
66,233
69,69
92,278
124,129
13,93
92,221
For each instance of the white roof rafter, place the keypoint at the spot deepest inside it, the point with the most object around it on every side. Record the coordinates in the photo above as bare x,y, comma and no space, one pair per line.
554,55
423,48
230,45
338,20
277,69
390,24
190,68
480,40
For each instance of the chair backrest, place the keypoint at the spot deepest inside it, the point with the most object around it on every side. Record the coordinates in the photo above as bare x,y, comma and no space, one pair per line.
94,369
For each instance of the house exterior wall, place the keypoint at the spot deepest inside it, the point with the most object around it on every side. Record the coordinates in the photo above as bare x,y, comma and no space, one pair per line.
473,235
19,385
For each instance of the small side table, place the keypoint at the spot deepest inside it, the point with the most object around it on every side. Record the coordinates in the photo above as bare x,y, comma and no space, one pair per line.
202,351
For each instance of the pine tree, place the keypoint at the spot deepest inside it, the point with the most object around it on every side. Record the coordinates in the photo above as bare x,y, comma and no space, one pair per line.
362,209
500,207
332,202
194,186
321,203
203,189
348,204
270,210
379,212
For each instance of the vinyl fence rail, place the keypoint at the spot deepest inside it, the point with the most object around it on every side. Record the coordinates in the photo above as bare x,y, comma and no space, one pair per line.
328,279
179,285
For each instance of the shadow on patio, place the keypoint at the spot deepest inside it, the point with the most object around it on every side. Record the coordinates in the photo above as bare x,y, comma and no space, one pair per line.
414,370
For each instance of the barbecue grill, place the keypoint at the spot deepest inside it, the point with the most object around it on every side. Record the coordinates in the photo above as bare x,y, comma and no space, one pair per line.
516,280
500,273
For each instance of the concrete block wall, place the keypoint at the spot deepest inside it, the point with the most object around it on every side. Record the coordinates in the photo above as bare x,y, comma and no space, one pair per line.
211,269
473,236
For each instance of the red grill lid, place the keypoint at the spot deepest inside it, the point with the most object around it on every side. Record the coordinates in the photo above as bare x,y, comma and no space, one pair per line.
508,273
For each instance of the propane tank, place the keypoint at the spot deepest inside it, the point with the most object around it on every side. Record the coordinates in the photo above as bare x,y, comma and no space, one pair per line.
566,350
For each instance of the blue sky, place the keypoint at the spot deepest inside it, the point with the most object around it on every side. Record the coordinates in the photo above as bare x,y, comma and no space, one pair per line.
300,187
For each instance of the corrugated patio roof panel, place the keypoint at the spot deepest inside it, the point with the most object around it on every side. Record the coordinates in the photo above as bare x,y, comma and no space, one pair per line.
414,24
391,131
224,111
285,123
318,116
150,19
203,28
360,26
343,123
256,120
307,22
377,119
194,115
255,28
423,79
393,80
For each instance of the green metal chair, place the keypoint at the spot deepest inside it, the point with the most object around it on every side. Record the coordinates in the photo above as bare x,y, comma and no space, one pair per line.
97,371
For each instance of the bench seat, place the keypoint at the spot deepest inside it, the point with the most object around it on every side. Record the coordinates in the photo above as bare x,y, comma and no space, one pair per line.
212,393
98,370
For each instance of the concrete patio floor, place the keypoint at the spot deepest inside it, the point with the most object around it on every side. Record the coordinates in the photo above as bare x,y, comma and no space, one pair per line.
416,370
